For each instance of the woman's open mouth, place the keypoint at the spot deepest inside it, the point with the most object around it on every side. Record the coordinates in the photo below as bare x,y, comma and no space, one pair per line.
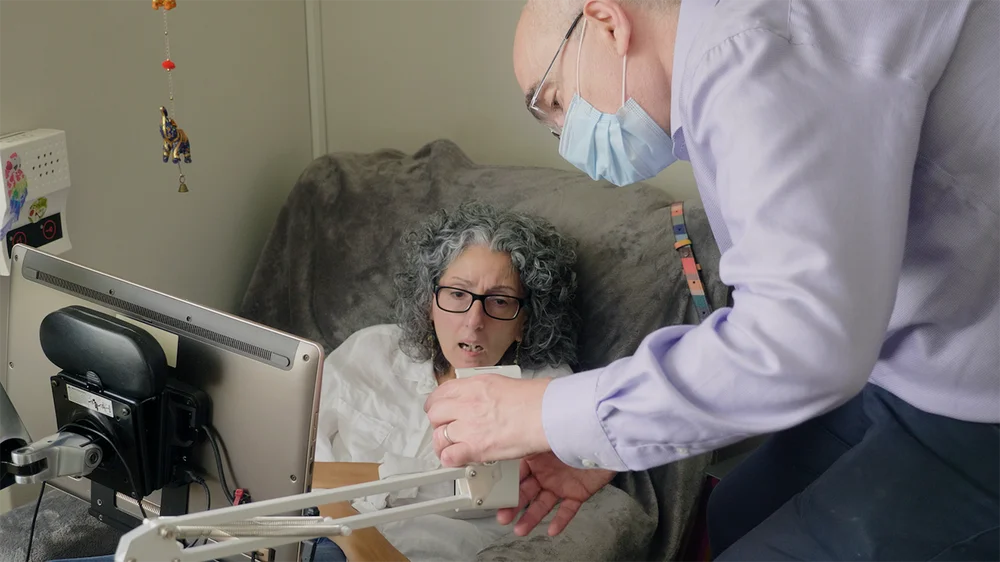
471,348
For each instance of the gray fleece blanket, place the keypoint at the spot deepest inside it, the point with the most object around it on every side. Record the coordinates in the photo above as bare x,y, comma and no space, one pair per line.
63,530
326,271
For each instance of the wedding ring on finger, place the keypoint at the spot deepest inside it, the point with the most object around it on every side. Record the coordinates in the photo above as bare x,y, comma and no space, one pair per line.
446,437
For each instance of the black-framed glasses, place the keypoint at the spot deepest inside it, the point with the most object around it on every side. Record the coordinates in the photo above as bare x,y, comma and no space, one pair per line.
533,102
501,307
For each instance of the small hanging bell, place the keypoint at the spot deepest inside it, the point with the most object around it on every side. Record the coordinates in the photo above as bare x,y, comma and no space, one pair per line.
183,187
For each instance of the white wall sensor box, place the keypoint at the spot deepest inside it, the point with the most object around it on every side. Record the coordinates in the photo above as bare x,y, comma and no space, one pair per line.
35,167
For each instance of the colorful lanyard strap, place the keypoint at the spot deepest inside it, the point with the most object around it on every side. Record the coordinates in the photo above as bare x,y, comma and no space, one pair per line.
688,262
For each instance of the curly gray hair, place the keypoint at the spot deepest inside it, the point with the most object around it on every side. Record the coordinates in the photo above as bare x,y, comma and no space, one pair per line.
543,258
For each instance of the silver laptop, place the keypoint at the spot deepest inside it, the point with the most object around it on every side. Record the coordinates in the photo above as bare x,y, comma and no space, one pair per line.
263,383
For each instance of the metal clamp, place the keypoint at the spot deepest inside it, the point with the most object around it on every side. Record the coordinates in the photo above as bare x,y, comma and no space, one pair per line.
61,454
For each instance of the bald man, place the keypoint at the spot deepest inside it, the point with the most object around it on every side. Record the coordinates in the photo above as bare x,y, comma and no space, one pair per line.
847,156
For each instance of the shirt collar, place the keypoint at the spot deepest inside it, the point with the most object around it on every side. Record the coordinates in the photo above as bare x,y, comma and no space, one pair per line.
692,14
420,373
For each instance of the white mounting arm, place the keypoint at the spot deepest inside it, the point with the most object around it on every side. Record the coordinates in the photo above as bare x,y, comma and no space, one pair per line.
249,527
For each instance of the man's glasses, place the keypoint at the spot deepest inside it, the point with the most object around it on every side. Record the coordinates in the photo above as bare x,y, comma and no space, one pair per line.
533,101
501,307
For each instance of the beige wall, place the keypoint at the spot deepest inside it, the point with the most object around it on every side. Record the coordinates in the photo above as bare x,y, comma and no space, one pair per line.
92,68
400,73
397,74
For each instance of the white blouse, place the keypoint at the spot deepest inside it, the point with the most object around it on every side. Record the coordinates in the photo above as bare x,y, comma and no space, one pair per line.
372,410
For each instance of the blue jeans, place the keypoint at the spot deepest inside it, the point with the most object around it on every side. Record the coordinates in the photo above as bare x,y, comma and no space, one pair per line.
326,551
875,479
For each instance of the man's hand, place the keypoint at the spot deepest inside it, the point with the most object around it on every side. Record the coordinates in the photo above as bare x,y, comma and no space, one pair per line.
546,481
487,418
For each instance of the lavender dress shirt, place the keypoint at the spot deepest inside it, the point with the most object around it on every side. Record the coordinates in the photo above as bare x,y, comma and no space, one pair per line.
846,153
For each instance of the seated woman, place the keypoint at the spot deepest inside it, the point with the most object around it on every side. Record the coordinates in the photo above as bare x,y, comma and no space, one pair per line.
480,287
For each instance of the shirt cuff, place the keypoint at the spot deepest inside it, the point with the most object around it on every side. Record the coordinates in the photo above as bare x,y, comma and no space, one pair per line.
572,426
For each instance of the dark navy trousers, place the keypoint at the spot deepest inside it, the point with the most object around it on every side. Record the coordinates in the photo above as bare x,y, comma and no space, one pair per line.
875,479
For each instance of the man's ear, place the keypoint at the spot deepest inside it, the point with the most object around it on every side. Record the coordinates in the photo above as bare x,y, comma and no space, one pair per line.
611,22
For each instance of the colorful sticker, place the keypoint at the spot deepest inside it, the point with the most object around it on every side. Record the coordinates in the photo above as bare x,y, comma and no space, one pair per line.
16,184
37,210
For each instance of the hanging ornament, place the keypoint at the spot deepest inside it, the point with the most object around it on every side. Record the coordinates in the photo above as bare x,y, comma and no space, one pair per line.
175,141
176,146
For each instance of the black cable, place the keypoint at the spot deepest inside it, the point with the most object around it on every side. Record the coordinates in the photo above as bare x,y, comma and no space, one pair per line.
208,501
225,455
34,516
128,471
208,494
31,534
214,440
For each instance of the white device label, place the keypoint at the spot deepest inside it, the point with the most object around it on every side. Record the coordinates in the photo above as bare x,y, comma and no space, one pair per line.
90,400
506,490
512,371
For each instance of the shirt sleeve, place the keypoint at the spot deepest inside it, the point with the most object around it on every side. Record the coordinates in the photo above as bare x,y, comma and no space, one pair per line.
812,159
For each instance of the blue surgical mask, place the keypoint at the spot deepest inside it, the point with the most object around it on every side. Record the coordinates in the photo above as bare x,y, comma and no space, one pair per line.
623,147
